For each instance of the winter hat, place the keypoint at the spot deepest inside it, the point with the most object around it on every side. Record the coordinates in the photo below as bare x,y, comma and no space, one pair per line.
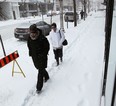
33,28
53,25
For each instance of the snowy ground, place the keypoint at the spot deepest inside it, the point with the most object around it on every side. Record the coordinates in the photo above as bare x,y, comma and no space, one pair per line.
75,82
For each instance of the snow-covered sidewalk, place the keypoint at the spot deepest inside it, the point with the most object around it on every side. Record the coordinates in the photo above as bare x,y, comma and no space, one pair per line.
75,82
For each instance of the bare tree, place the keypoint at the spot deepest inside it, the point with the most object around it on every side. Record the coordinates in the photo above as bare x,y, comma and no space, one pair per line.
75,14
88,5
41,10
52,13
23,3
84,2
61,15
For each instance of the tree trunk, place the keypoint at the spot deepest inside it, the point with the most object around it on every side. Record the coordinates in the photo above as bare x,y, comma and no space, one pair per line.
61,15
75,14
88,6
84,9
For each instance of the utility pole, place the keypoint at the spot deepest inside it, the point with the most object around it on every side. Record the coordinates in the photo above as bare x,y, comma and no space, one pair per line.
61,15
108,29
75,13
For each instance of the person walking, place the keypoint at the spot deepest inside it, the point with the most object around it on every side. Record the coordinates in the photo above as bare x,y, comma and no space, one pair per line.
38,46
57,37
82,14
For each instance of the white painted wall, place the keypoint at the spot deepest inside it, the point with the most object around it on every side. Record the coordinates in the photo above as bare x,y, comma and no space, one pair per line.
15,7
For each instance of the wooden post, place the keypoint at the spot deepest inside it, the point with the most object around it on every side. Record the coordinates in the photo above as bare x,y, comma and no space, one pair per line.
2,45
18,67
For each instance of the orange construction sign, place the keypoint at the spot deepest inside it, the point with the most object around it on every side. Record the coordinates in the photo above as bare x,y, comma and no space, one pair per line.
11,57
8,58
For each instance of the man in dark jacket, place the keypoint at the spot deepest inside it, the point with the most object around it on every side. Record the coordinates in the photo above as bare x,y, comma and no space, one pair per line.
38,46
82,14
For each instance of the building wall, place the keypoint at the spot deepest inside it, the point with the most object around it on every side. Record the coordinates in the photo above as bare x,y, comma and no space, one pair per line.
15,9
12,10
6,10
68,4
9,10
17,0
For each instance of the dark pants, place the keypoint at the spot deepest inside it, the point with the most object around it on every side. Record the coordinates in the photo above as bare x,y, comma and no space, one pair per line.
42,74
58,54
81,16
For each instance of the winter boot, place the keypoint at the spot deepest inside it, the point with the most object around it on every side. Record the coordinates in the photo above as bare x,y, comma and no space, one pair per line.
57,62
61,59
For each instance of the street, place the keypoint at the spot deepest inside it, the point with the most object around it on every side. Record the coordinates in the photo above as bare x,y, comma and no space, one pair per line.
7,31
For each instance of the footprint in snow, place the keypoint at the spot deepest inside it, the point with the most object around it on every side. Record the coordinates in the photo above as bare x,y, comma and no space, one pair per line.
83,103
87,76
81,87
